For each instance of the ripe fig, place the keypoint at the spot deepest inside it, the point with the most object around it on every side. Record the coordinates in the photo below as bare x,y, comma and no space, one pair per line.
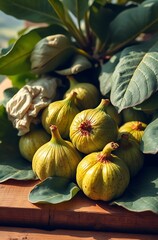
31,141
135,128
88,96
129,152
91,129
103,175
56,158
60,113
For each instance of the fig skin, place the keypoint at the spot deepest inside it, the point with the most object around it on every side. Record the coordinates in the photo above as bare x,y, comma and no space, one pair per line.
103,175
129,152
31,141
57,157
60,113
88,95
134,128
91,129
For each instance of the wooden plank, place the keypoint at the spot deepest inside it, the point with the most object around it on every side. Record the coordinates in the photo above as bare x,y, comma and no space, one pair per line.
34,234
80,213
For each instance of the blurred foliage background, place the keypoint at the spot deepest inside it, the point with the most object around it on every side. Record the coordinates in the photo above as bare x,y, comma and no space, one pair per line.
9,27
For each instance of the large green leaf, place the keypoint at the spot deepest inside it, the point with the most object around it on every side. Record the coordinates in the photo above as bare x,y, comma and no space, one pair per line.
149,143
53,190
142,193
99,18
17,60
135,77
12,165
34,11
130,23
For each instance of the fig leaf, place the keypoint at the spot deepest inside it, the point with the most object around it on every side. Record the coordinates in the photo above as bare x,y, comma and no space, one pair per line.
53,190
12,165
135,77
142,192
149,143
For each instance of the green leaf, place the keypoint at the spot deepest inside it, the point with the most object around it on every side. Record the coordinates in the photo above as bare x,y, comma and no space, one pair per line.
53,190
142,193
12,165
17,60
135,77
34,11
131,22
68,21
105,78
99,18
149,143
151,104
77,7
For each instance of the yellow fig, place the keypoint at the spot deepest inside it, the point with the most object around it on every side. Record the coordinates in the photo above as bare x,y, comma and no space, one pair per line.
91,129
88,96
134,128
60,113
56,158
102,175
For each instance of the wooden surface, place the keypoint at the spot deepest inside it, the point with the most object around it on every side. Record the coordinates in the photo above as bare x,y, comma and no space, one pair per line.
79,213
61,234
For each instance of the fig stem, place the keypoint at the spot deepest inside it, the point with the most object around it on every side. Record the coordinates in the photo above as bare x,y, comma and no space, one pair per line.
109,148
56,137
138,126
105,155
103,104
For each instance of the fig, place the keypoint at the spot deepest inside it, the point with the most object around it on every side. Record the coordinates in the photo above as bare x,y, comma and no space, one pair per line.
129,152
102,175
91,129
60,113
57,158
31,141
131,114
88,96
135,128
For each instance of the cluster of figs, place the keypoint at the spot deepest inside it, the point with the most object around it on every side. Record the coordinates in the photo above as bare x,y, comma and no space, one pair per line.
84,139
